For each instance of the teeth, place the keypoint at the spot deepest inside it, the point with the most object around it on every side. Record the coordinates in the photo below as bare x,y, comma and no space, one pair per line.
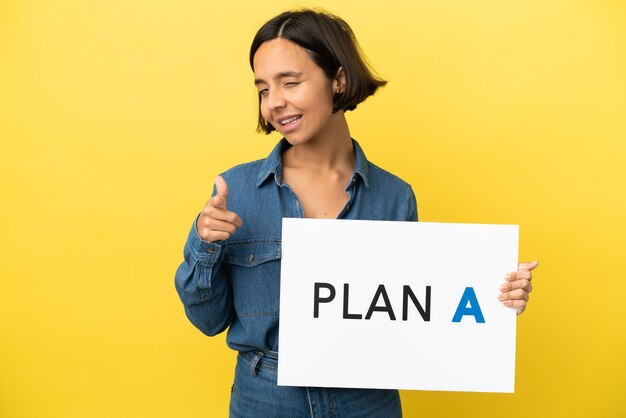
286,121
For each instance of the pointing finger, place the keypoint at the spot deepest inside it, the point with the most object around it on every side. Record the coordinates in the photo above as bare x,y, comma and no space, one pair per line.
221,193
213,211
221,188
218,201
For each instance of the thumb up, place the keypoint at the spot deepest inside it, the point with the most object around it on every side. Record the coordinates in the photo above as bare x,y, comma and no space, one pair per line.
221,193
216,222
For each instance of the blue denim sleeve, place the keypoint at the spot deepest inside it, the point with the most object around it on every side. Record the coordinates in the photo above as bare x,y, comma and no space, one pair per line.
202,285
412,208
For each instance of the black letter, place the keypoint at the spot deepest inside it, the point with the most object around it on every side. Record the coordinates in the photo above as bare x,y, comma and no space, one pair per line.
387,308
346,315
406,293
317,299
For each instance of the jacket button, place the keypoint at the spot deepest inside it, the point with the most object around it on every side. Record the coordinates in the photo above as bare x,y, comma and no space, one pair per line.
251,258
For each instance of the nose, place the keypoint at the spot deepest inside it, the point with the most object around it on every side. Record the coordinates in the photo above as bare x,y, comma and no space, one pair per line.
275,99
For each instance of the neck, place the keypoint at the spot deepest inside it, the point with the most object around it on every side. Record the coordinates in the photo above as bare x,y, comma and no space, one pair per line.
330,150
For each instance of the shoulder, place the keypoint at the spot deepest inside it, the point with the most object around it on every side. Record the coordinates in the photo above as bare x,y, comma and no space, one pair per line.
374,176
392,194
243,175
376,171
379,177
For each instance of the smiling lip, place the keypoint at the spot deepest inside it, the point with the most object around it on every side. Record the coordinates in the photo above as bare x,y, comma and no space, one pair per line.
292,123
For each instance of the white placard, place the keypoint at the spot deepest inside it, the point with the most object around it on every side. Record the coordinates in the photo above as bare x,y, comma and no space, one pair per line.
376,336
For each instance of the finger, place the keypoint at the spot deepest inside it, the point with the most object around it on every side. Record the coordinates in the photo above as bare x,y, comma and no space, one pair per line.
519,305
222,231
217,201
212,212
213,230
517,294
235,219
221,188
518,284
219,226
518,275
527,265
213,236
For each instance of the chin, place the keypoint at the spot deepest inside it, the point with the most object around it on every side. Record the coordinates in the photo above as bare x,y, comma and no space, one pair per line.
295,139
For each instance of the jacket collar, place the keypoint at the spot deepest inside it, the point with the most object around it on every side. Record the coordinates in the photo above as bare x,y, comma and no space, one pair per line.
273,164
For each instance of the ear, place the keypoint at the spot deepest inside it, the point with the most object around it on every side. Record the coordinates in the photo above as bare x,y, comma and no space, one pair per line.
339,82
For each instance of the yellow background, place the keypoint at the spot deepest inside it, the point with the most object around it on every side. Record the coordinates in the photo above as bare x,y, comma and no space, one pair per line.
116,115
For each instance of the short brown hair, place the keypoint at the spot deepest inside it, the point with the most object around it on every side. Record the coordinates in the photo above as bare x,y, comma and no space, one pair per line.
330,42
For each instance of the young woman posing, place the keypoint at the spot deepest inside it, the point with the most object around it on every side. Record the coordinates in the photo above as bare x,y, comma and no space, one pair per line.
308,71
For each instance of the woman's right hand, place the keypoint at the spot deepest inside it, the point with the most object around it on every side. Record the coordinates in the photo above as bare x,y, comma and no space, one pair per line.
216,222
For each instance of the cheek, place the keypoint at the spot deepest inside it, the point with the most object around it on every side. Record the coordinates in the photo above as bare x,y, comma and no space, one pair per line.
326,97
320,100
264,109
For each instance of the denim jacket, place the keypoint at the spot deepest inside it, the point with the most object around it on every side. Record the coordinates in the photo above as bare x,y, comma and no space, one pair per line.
236,282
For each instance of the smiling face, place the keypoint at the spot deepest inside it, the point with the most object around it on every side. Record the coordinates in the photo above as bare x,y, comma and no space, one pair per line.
296,96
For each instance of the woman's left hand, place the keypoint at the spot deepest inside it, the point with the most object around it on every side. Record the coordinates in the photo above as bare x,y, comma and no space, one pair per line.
517,287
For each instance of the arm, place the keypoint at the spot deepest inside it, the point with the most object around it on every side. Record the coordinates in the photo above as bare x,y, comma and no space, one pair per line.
200,280
202,285
412,206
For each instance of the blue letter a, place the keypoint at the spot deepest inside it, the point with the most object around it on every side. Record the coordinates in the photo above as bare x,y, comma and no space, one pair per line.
468,298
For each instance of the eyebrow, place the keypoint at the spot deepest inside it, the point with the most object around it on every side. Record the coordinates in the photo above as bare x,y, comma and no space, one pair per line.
284,74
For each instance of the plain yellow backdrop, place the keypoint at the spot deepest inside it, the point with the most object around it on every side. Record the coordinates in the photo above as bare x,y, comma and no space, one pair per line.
115,117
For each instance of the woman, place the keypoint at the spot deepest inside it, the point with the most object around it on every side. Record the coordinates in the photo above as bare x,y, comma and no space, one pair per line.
308,72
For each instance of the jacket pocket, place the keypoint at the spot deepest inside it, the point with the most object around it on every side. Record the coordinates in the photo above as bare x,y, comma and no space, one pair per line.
251,253
254,269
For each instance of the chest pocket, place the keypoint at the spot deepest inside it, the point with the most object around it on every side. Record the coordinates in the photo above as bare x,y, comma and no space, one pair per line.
251,253
254,269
